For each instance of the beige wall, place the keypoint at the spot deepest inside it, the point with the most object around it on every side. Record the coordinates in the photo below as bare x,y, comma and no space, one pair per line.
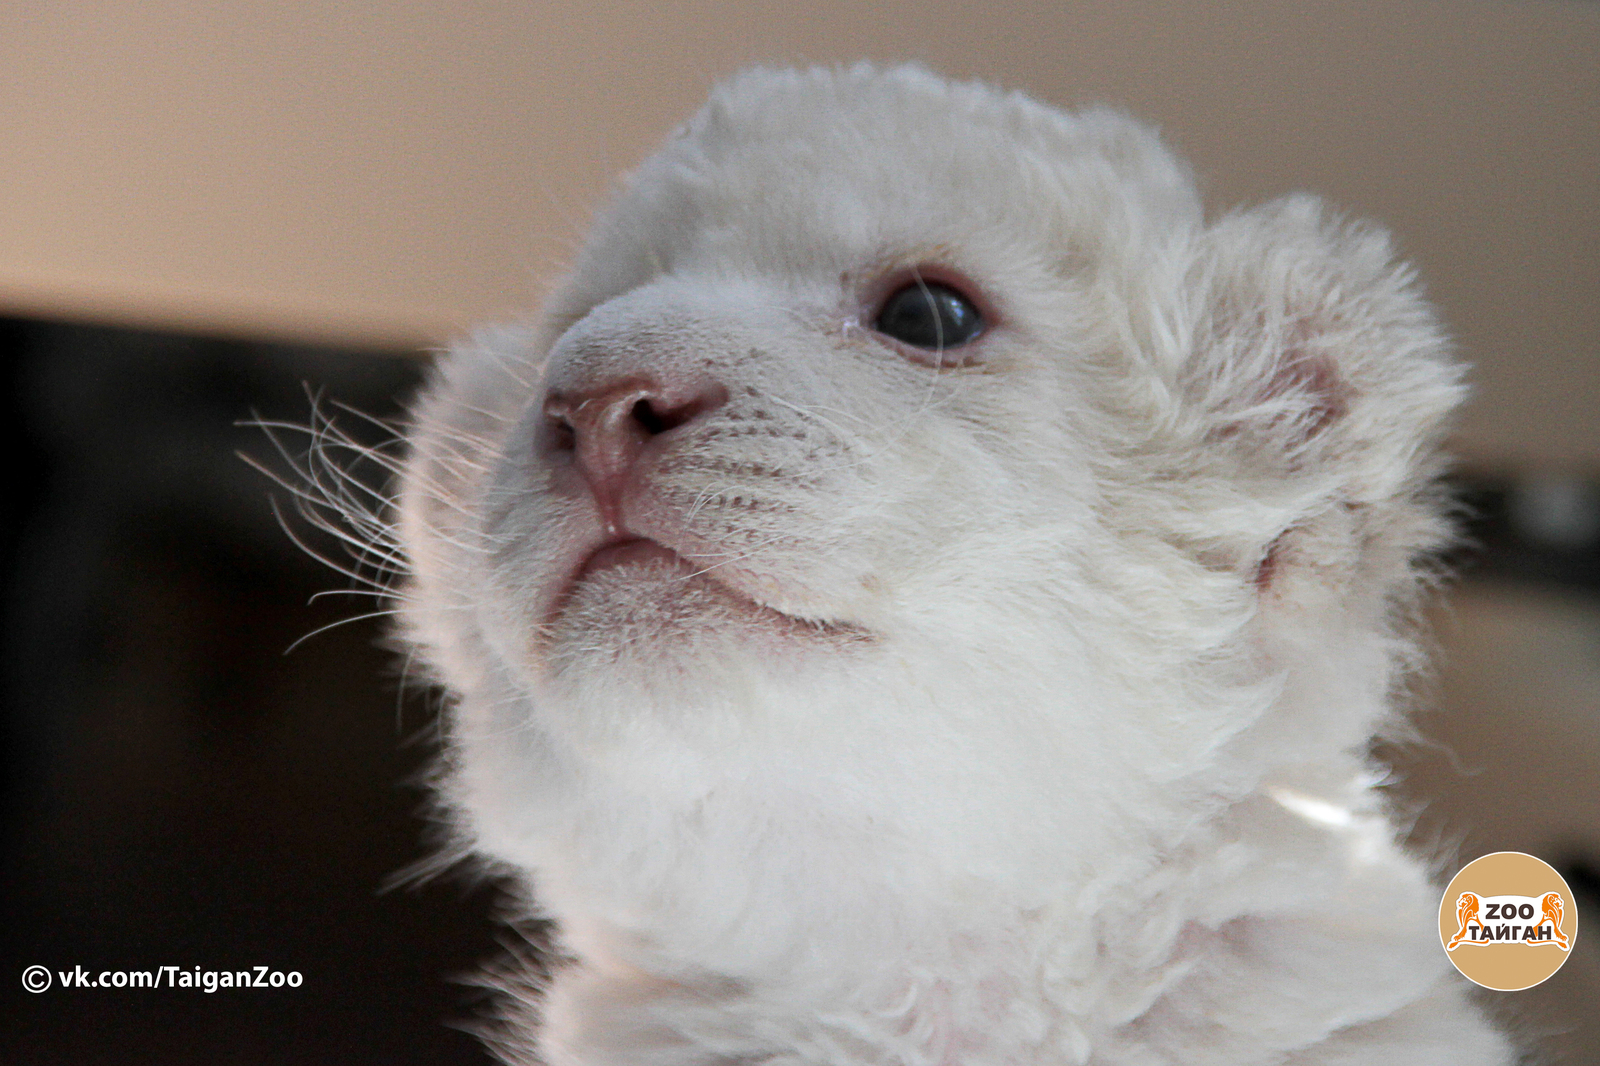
388,173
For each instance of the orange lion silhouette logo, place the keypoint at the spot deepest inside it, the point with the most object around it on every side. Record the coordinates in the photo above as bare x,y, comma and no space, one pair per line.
1553,913
1467,913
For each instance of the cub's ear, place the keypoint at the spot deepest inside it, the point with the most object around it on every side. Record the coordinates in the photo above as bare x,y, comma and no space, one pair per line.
1317,384
1314,347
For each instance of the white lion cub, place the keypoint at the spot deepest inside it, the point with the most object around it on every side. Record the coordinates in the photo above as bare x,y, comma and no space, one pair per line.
921,596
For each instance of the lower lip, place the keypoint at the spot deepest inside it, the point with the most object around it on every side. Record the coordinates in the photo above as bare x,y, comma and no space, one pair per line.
642,552
630,553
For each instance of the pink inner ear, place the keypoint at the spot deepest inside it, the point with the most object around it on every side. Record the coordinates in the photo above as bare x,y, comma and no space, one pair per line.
1301,373
1311,375
1268,567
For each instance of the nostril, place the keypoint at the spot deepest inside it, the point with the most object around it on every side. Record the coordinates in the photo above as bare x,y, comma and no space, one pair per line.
646,416
658,412
558,433
563,438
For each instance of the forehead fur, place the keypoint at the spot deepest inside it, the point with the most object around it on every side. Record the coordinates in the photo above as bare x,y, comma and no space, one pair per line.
785,173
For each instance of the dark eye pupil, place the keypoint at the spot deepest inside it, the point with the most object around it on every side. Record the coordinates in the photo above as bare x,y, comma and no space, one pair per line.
929,315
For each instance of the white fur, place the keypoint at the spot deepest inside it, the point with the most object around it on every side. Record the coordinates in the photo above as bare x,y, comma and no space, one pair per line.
1034,729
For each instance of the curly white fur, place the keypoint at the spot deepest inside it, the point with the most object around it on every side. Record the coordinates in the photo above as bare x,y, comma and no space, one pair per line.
1001,709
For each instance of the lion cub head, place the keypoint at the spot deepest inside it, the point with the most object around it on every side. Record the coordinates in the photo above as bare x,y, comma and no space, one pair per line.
922,464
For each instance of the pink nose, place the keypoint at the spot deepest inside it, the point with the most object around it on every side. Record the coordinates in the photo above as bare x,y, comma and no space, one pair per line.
606,431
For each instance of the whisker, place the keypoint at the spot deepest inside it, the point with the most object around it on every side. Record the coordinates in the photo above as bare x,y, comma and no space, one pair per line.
341,622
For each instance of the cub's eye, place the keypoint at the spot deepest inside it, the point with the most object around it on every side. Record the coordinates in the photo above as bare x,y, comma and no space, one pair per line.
926,314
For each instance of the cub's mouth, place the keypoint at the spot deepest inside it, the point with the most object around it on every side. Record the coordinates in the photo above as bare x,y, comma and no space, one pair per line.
631,551
637,588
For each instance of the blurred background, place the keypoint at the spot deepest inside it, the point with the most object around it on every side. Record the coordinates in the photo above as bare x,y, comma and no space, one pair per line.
210,212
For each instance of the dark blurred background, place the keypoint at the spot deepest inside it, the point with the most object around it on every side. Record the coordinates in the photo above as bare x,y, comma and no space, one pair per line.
178,790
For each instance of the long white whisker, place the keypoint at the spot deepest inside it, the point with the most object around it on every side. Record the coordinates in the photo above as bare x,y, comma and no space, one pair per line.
341,622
